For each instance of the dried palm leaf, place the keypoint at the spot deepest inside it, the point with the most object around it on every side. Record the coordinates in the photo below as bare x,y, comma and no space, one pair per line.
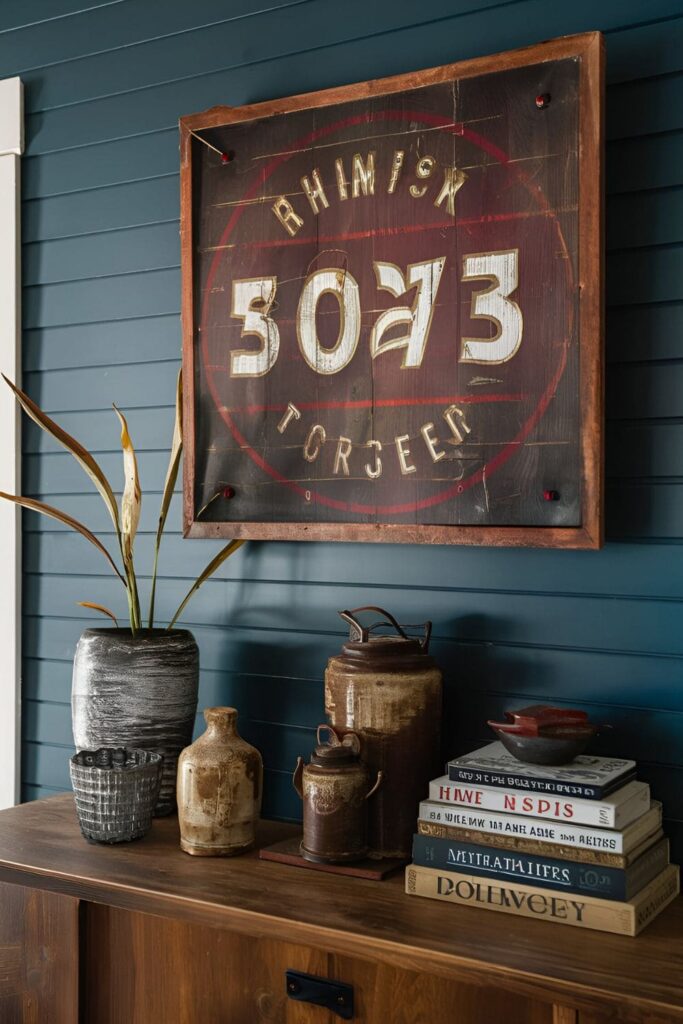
67,520
98,608
214,564
131,503
82,456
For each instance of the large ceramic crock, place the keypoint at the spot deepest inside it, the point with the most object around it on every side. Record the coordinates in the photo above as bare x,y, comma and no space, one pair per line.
137,692
388,690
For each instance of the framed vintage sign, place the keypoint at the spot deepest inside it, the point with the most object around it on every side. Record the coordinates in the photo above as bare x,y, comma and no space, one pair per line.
392,307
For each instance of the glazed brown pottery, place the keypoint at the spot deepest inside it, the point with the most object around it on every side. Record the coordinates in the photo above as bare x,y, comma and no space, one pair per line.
220,783
388,690
335,789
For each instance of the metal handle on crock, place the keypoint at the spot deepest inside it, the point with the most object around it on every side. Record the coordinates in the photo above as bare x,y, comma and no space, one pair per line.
378,782
298,775
332,738
359,633
347,739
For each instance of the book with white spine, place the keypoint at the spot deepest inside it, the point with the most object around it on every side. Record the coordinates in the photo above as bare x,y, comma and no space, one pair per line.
615,811
561,833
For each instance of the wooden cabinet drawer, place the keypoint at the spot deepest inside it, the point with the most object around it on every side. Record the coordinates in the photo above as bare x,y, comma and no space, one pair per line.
137,969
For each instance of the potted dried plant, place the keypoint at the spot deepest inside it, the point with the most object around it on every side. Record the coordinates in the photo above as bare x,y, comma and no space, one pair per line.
134,686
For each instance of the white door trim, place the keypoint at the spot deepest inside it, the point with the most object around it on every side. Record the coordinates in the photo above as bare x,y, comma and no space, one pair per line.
11,148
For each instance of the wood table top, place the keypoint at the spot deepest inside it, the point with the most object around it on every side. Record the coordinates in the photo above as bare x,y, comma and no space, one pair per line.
41,846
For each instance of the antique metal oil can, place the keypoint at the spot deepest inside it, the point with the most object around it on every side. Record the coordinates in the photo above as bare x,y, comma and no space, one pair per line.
388,690
335,790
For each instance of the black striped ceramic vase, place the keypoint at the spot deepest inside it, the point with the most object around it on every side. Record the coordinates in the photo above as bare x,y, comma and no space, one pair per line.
137,692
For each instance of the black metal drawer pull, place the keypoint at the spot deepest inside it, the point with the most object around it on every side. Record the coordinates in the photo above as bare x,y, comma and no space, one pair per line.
334,995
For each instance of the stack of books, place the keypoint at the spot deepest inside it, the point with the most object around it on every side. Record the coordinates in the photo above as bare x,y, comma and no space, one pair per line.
580,844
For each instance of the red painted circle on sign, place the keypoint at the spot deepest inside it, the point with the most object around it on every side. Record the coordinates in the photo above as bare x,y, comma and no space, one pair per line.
509,449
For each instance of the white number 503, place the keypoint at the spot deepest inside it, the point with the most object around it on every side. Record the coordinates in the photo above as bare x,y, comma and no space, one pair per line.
253,298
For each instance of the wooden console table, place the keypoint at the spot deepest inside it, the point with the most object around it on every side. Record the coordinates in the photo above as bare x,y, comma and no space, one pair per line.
142,933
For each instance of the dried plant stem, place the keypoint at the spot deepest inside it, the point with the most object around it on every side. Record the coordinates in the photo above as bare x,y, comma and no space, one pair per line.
133,599
153,590
169,485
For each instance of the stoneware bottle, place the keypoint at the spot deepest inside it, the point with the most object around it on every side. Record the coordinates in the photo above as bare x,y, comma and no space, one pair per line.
220,782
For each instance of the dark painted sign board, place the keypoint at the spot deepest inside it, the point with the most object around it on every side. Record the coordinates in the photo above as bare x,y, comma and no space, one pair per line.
392,307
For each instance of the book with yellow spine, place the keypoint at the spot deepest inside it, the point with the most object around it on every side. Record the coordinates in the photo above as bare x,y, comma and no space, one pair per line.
621,918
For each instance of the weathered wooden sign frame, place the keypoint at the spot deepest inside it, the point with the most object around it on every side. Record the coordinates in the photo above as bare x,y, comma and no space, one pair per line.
556,476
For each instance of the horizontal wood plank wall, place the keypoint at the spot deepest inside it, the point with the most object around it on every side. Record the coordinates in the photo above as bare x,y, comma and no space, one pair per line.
105,84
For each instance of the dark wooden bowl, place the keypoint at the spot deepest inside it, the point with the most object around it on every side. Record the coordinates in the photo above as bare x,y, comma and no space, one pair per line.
560,746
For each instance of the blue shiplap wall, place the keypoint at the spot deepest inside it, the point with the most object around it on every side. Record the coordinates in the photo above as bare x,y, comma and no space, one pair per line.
105,84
